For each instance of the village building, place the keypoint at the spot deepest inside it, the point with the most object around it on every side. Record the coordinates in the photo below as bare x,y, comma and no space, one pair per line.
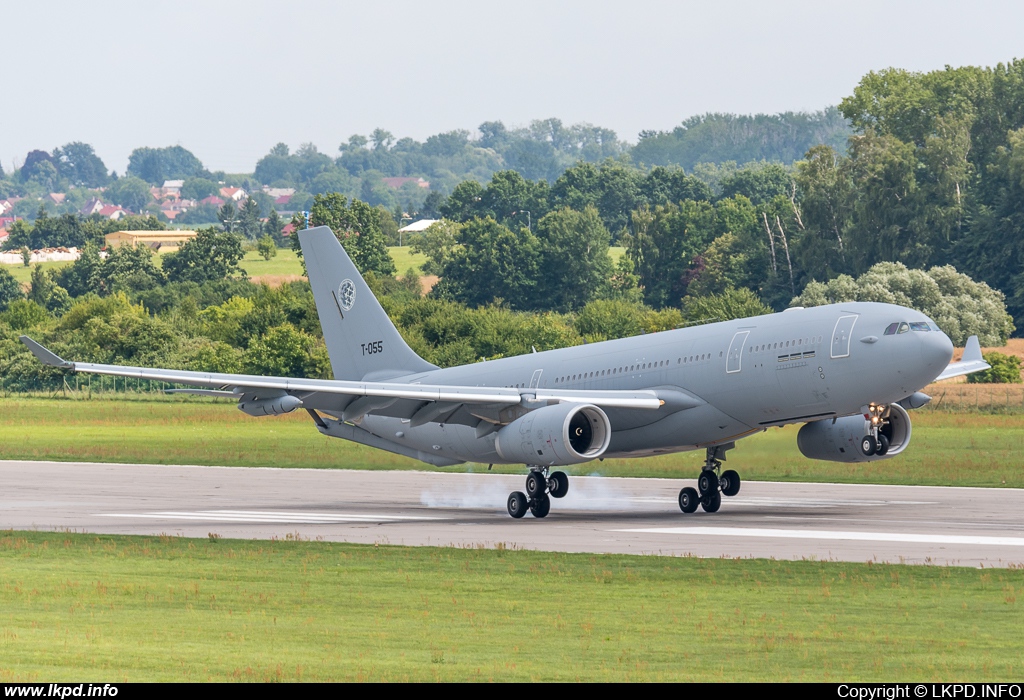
162,241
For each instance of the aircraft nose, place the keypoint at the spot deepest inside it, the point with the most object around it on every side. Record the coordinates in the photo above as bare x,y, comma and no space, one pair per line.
936,350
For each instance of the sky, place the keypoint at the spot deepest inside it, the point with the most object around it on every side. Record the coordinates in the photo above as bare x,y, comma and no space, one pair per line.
228,80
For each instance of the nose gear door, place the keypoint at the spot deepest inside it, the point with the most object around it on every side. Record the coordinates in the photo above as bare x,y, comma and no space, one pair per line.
841,336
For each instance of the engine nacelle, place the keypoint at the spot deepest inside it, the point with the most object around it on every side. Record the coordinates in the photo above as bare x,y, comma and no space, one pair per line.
840,441
565,433
270,407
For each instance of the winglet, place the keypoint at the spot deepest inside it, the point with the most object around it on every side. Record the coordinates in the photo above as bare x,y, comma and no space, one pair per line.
972,351
44,355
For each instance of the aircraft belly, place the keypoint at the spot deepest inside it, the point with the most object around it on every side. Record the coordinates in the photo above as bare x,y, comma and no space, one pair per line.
444,439
703,425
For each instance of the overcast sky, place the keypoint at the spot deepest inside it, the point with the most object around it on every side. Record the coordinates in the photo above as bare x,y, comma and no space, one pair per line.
228,80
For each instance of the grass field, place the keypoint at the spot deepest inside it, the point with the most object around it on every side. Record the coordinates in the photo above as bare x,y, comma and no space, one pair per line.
949,449
99,608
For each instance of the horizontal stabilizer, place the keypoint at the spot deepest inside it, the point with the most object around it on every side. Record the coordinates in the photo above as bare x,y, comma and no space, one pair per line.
971,362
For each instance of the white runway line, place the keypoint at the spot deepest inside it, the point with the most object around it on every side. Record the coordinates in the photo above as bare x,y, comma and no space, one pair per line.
269,516
833,535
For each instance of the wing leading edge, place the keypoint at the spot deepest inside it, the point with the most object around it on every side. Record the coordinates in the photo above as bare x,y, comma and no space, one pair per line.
227,384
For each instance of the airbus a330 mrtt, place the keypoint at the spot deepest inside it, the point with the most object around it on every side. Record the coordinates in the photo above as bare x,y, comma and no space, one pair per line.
850,372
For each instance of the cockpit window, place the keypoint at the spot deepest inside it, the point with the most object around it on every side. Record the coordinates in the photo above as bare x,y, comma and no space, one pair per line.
891,328
904,327
919,326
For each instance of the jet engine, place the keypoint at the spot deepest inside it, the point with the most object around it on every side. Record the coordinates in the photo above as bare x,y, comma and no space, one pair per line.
565,433
839,440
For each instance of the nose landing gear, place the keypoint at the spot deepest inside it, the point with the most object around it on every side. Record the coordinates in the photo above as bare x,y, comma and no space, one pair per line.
876,442
711,485
540,489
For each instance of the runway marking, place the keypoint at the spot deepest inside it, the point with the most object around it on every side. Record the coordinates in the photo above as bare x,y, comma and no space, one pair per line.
270,516
833,535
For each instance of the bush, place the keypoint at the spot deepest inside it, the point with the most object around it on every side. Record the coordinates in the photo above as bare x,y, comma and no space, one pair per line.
1005,370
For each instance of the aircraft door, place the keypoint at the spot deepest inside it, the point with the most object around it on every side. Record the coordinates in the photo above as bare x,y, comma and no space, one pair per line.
734,362
535,379
841,336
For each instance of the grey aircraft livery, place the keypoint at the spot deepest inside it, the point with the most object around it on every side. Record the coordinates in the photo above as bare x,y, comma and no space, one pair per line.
850,372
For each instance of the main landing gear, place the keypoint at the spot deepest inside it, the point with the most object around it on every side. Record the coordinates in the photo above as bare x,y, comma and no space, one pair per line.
711,485
540,489
876,442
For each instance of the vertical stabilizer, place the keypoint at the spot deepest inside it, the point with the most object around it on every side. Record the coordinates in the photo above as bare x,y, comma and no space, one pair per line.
361,340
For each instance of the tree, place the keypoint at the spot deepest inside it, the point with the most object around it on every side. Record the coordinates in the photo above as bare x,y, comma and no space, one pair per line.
575,266
199,188
226,216
730,304
249,223
491,262
285,351
129,192
759,182
26,256
155,165
210,256
357,226
10,290
85,274
266,247
273,226
959,305
78,163
131,269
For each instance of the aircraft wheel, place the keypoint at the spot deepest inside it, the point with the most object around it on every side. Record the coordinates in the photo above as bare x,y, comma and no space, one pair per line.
883,445
540,507
558,482
868,445
707,482
535,485
688,499
730,481
517,504
711,502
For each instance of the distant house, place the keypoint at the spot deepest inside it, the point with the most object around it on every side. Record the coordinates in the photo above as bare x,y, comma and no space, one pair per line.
236,194
57,197
156,240
418,226
173,186
396,183
288,229
283,200
6,221
215,201
5,206
93,206
276,192
112,212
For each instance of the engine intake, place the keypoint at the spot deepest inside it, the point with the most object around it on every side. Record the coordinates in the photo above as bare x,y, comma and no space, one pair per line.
566,433
840,441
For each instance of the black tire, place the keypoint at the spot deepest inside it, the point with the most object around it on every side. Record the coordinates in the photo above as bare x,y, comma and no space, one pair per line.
868,445
730,481
558,484
517,504
707,482
688,499
536,485
711,502
540,507
883,445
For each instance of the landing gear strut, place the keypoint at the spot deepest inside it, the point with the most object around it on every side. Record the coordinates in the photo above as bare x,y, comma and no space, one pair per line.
711,485
540,489
876,442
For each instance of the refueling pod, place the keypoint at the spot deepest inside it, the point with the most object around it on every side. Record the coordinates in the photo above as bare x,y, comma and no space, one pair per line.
565,433
273,406
839,440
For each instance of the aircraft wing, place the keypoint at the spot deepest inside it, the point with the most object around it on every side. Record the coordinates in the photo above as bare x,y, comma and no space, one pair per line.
216,384
971,362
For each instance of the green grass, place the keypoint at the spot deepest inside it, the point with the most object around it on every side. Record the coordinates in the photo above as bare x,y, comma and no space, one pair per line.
24,274
286,262
103,608
947,449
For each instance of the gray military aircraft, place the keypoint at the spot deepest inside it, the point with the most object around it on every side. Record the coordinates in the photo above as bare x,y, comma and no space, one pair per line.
849,372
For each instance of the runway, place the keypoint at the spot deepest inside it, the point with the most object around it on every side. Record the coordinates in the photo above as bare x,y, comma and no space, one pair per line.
843,522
